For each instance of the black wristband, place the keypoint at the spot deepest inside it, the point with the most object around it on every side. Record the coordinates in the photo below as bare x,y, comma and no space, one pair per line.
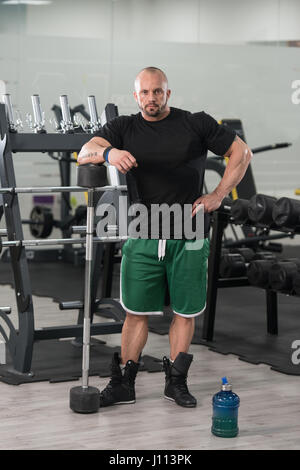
106,152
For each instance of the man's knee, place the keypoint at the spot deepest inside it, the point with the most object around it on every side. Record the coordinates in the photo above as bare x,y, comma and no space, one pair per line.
183,320
137,319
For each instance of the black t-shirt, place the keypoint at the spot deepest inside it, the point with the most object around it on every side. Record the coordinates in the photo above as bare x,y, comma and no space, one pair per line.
170,153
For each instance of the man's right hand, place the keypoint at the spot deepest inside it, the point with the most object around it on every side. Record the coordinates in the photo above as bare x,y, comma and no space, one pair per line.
122,160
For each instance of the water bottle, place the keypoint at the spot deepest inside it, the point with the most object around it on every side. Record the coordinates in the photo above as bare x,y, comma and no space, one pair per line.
225,411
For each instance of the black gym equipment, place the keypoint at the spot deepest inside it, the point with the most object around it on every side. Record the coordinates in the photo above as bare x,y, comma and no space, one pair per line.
246,189
259,268
265,255
260,209
282,273
239,211
65,145
236,262
86,399
247,253
107,254
258,273
20,342
41,222
64,117
232,265
219,222
296,284
286,213
257,213
91,176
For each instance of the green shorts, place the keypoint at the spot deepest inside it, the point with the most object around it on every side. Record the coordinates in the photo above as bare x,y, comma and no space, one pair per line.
149,267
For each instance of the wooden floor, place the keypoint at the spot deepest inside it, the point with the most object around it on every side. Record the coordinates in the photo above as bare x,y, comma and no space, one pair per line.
37,415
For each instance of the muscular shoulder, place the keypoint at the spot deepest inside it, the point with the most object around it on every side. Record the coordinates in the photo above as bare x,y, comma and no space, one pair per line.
201,118
203,122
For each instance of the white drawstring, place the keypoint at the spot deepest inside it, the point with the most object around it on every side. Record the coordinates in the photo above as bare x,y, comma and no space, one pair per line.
161,249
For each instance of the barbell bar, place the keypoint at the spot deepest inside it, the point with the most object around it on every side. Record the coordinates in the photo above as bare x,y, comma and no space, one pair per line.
60,241
59,189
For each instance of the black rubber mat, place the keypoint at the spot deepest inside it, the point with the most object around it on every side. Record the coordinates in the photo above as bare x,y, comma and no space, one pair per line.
61,361
241,329
57,280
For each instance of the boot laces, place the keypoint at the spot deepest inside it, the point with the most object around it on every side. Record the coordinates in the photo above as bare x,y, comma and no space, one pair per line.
115,379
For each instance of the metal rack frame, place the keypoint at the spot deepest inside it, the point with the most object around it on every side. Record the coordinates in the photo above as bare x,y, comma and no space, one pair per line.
20,342
219,222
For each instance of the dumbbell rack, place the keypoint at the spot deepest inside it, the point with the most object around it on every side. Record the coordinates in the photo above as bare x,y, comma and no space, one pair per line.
220,220
20,342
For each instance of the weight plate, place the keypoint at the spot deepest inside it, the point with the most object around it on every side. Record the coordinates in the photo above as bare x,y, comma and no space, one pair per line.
41,222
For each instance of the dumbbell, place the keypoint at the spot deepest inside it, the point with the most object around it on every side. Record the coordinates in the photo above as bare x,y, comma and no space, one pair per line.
233,263
286,212
260,209
282,273
259,268
247,253
264,255
226,204
239,211
79,218
86,399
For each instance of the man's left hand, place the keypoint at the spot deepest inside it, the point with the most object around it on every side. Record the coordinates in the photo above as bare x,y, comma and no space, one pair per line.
210,201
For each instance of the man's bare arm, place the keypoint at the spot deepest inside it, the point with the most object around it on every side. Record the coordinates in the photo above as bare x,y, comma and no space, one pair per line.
239,156
92,152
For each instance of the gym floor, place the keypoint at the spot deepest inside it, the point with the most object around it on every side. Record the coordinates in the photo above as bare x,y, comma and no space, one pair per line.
36,416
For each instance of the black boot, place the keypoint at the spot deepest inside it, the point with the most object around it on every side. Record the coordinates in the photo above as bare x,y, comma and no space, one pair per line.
176,376
120,389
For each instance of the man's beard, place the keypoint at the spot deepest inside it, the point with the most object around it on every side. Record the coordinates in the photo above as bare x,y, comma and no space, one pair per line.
157,111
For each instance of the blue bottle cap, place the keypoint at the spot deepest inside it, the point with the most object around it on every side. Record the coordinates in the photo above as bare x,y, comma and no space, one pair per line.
225,385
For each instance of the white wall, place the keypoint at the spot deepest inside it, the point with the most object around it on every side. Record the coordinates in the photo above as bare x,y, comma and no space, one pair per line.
205,21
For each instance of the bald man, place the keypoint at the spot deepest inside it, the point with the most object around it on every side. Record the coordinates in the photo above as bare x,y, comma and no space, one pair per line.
159,146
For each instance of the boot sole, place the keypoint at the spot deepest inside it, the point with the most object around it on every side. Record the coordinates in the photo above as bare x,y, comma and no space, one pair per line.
118,403
124,402
184,406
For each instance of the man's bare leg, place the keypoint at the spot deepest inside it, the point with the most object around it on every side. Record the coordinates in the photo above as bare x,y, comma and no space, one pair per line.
180,335
134,337
121,388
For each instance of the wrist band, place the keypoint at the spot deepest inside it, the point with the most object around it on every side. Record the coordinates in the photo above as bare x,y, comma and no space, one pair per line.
106,152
